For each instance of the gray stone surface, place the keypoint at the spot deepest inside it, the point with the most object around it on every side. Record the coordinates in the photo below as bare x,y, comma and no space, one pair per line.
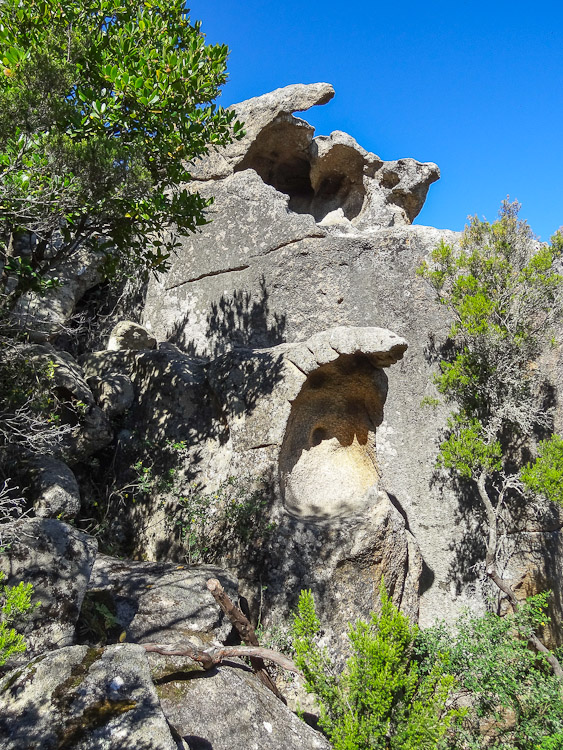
330,177
86,699
44,317
57,560
91,429
163,602
349,279
302,418
129,335
228,708
54,488
114,393
261,114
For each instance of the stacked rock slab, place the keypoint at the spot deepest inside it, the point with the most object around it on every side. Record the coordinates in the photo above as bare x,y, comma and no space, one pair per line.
310,233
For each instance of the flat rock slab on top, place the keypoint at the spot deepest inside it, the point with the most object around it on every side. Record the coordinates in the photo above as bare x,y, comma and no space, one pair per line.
382,347
163,602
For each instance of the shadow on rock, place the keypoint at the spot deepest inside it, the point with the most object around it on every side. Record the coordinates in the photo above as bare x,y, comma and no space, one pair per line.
239,320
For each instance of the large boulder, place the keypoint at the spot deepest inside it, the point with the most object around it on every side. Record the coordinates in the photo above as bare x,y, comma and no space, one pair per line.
54,488
162,602
298,426
86,699
353,263
57,560
230,709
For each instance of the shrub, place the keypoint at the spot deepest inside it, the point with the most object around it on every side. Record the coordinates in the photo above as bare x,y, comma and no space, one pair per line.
382,700
513,697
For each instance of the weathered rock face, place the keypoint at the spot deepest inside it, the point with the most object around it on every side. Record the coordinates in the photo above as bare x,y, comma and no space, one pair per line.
324,174
162,602
84,698
43,317
129,335
229,709
332,245
57,559
273,267
54,488
88,428
294,414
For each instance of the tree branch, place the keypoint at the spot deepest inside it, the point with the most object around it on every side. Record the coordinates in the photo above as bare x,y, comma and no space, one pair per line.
246,633
496,578
210,657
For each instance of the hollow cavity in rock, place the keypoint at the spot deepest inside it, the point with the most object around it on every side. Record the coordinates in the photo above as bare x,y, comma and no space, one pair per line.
285,155
328,461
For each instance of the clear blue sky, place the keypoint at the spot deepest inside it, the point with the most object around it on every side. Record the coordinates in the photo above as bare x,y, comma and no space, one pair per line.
475,87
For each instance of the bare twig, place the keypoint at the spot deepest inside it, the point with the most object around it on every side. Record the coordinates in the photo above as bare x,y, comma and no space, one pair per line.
210,657
247,634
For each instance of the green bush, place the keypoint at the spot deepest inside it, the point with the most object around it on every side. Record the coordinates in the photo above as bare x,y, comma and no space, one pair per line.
382,700
103,103
513,697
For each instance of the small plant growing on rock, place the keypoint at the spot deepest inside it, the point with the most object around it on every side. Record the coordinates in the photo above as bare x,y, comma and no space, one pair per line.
382,700
234,515
15,602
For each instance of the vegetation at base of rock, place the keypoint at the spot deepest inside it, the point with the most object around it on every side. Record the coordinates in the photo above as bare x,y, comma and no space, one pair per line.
512,698
208,522
15,603
505,294
382,699
102,105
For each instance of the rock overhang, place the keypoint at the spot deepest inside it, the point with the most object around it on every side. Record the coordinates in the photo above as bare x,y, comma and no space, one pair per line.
322,174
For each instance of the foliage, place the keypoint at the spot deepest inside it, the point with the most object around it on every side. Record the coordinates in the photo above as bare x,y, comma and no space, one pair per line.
15,602
208,523
382,699
30,409
466,450
514,698
503,291
98,623
544,476
12,508
103,103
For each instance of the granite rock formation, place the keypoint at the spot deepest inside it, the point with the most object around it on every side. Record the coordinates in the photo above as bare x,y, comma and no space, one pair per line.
274,352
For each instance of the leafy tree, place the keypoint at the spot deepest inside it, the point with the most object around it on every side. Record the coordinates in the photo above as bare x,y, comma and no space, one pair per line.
513,698
15,602
503,291
381,700
103,103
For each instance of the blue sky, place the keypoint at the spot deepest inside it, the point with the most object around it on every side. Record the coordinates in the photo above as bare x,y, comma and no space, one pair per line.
475,87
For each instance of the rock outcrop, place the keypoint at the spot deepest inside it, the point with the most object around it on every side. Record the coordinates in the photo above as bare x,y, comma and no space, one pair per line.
57,560
265,420
274,268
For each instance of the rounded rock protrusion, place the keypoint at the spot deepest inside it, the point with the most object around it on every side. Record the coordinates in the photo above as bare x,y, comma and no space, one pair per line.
129,335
